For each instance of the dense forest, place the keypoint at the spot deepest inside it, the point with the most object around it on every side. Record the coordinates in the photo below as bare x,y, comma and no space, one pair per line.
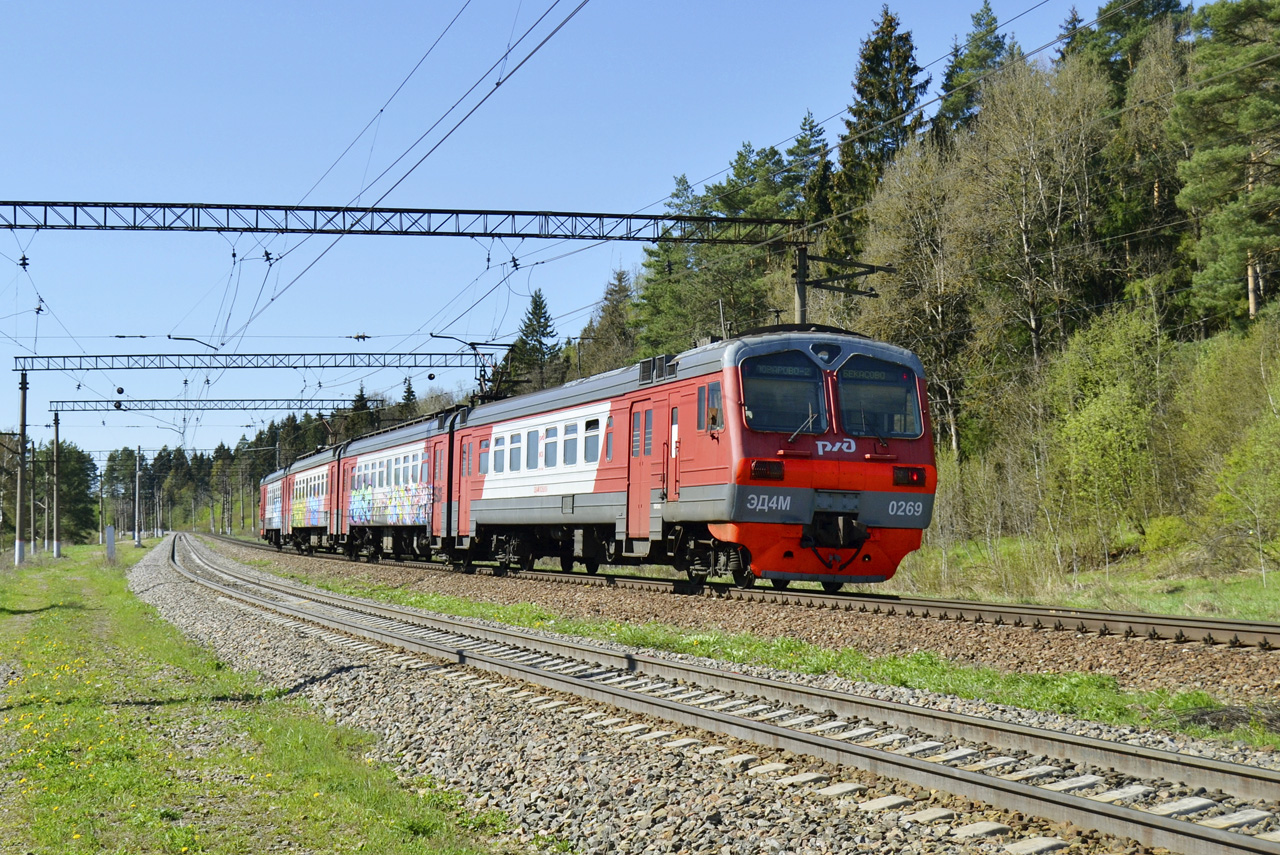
1083,241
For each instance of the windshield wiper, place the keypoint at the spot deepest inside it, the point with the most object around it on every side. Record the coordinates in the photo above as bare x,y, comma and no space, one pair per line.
867,426
804,426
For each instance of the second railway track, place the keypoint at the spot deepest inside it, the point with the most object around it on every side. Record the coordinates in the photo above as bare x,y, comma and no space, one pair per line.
1093,783
1174,628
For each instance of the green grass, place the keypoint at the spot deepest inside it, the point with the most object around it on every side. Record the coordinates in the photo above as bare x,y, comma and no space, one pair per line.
1163,581
1095,697
117,735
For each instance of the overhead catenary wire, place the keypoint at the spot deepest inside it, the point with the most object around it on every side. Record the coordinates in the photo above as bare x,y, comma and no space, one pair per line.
917,109
281,291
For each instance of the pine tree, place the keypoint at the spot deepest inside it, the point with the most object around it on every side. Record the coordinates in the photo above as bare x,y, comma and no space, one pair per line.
608,340
755,186
408,401
806,160
1140,224
882,118
982,52
1232,180
534,359
360,420
1073,36
1115,41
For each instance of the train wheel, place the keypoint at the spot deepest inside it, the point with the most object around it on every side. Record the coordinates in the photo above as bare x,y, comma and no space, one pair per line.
744,578
781,584
566,563
525,559
832,587
592,565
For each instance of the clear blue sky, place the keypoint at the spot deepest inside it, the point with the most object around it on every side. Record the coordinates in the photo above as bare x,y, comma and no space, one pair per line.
251,103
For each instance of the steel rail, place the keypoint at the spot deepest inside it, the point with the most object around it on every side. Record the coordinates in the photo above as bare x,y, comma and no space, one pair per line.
1175,628
1148,828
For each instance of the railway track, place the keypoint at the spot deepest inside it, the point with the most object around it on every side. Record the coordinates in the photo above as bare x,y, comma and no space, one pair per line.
1214,808
1173,628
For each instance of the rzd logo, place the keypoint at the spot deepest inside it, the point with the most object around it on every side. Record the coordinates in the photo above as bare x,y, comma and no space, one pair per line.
847,446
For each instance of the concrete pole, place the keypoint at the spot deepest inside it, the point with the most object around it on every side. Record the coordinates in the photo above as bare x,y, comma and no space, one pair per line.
802,275
18,546
32,491
57,538
137,496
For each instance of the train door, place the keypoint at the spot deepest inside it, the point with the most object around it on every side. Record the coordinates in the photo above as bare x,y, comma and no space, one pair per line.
332,498
438,487
287,504
640,469
671,457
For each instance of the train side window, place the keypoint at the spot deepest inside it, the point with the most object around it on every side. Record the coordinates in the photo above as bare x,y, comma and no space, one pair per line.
484,457
440,473
531,450
635,433
608,439
499,458
571,443
715,413
648,432
513,459
702,408
396,472
382,473
550,447
591,443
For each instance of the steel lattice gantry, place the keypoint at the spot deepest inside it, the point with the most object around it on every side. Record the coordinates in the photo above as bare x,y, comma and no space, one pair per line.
207,405
216,361
296,219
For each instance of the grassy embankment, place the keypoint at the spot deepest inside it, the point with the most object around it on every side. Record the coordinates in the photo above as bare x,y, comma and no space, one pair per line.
1095,697
1159,582
118,735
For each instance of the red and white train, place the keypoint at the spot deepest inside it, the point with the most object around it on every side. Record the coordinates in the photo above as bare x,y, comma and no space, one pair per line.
788,453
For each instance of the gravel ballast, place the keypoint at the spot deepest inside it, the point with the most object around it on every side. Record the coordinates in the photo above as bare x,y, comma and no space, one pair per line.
562,778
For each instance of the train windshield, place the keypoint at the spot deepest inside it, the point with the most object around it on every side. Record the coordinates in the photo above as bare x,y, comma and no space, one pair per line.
782,392
879,399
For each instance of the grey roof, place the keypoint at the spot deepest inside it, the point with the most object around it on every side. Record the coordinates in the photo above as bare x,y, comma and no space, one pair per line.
705,359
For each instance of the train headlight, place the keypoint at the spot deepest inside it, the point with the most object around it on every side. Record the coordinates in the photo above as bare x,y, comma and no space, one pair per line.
908,476
766,470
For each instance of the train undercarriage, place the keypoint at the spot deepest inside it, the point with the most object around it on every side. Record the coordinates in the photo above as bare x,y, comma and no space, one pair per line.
691,549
